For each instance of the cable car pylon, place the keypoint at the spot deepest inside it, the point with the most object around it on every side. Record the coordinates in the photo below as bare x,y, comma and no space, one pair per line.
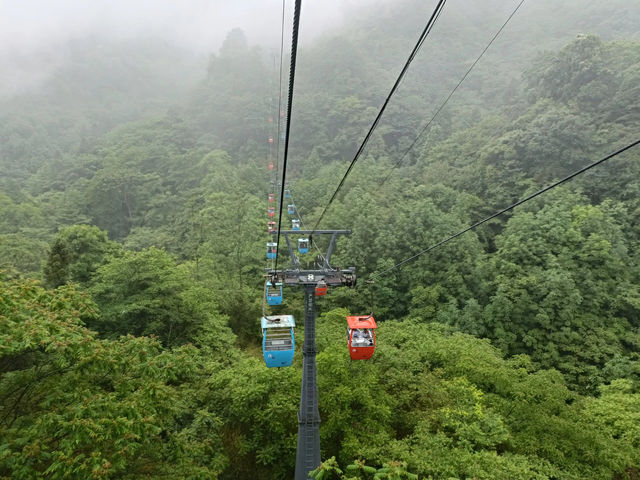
313,281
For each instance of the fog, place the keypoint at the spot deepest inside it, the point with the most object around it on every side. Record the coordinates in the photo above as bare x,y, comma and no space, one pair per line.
28,25
34,33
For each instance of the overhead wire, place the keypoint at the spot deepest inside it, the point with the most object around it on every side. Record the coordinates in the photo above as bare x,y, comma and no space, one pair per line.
270,113
464,77
274,177
510,207
280,94
425,32
264,301
292,73
272,261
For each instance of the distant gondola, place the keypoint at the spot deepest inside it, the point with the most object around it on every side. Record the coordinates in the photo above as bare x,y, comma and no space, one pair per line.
303,245
274,293
321,289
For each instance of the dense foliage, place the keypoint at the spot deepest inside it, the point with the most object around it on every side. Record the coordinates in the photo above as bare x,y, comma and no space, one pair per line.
132,250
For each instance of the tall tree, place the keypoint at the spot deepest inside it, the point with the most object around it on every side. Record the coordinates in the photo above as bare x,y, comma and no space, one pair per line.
75,255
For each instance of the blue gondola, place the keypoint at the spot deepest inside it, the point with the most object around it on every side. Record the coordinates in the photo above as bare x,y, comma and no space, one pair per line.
291,209
295,224
287,193
278,342
272,250
274,293
303,245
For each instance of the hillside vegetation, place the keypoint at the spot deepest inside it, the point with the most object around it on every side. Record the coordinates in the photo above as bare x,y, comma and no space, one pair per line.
132,255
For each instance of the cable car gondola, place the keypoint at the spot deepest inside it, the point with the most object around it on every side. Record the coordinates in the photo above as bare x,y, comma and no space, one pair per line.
271,227
274,293
361,337
303,245
278,341
270,166
321,289
272,197
272,250
291,209
287,193
295,224
271,211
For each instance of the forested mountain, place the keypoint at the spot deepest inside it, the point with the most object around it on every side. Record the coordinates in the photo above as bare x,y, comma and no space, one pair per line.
132,234
95,85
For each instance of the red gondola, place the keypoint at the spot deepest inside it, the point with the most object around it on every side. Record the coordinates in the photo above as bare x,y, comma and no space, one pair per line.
321,289
272,197
271,211
270,166
271,227
361,337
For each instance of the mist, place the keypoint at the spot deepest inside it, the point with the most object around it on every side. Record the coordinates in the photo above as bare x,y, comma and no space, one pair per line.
34,33
198,24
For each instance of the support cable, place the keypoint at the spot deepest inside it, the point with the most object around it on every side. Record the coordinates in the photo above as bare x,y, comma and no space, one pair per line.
292,73
510,207
464,77
416,48
280,95
264,301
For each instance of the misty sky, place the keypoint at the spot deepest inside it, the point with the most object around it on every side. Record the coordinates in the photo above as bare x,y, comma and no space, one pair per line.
34,34
26,25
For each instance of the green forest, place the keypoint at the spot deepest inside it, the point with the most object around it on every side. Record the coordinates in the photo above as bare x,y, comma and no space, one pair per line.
133,224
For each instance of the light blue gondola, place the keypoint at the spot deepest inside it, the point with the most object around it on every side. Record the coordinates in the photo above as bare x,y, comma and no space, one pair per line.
278,342
295,224
272,250
303,245
291,209
287,193
274,293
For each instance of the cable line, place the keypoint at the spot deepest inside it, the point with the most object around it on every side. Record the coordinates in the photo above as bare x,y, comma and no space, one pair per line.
510,207
424,129
280,95
423,36
292,73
